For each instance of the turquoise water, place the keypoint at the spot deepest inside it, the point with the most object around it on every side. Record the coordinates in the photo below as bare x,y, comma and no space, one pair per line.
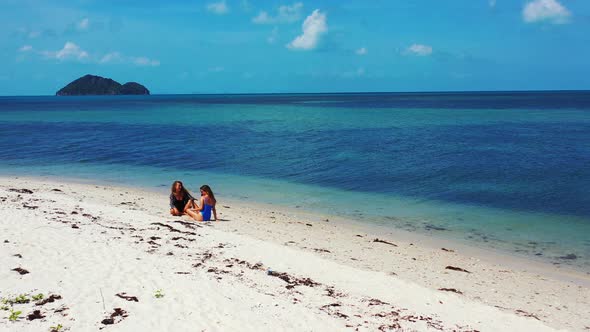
507,171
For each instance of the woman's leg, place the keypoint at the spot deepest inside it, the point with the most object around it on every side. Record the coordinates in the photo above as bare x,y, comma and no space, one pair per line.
195,215
174,211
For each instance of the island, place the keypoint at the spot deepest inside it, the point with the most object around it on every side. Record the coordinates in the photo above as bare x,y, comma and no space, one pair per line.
97,85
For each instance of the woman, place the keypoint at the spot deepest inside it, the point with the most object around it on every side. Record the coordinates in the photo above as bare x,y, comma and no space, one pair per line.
208,202
180,199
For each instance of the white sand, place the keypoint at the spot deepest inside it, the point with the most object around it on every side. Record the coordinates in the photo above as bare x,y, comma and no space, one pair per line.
210,281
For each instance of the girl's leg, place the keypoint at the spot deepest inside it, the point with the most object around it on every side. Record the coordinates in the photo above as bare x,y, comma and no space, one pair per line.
195,215
175,212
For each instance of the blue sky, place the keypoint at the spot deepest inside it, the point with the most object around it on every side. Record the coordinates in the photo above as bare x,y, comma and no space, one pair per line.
246,46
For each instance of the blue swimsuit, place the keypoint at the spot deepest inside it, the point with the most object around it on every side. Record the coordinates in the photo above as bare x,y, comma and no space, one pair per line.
206,212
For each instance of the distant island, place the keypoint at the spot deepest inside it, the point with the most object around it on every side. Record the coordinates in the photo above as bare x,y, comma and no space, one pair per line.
96,85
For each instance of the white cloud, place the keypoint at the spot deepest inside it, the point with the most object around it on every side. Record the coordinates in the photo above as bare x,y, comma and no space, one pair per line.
144,61
118,58
219,8
69,51
419,50
273,36
361,51
314,27
285,14
112,57
84,24
546,10
25,48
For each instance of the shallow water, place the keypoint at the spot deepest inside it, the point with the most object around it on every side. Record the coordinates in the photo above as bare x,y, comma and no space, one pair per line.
502,170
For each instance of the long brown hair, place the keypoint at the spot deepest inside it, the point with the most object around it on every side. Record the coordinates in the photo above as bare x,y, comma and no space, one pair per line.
183,191
209,192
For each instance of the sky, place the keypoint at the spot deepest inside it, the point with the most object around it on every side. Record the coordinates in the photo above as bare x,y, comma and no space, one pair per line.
247,46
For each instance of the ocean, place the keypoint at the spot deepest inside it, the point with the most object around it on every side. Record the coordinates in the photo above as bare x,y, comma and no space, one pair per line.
501,170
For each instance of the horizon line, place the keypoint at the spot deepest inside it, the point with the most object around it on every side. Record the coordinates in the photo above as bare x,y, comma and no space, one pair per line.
315,93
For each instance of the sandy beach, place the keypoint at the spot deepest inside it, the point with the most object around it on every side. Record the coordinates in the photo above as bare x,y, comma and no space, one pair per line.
112,258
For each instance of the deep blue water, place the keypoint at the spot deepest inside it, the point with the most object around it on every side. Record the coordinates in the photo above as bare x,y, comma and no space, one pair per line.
514,152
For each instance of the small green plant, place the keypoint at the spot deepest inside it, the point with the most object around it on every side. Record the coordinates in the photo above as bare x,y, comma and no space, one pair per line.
21,299
14,315
56,328
159,294
38,297
4,305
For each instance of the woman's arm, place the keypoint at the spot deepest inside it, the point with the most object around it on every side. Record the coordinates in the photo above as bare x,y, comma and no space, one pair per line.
200,208
214,213
188,205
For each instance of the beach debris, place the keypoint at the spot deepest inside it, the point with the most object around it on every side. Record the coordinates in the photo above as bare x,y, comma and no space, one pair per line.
172,229
6,241
30,207
180,272
50,299
447,250
450,290
225,206
55,189
118,312
373,302
75,226
308,225
176,238
18,255
36,314
386,242
73,212
454,268
331,292
124,296
190,225
158,294
155,238
321,250
291,280
526,314
20,270
569,256
391,327
21,191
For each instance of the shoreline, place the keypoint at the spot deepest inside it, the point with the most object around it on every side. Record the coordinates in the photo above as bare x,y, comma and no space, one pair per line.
332,252
430,240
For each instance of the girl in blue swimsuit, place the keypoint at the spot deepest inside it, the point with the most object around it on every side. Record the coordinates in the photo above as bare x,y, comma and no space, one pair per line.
207,207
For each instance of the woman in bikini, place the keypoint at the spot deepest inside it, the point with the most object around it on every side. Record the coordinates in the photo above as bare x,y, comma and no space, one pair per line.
203,211
180,199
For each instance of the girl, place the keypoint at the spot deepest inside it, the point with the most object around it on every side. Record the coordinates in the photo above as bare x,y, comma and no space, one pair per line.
203,213
180,199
